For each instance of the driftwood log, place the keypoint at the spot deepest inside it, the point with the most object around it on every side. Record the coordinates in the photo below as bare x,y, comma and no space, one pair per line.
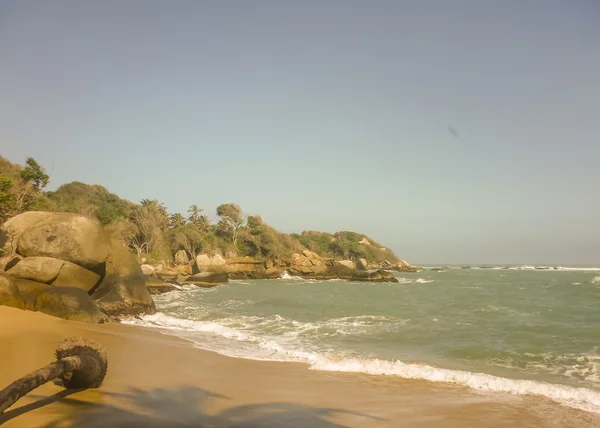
80,363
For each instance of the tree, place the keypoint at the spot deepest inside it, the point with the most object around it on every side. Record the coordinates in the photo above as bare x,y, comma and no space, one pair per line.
176,220
194,213
35,174
6,197
198,219
150,220
125,231
232,219
20,187
91,200
188,237
255,221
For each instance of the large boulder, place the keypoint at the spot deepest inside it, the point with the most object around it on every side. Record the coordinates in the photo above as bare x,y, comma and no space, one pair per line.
208,279
181,257
362,264
404,266
308,264
9,293
15,226
147,270
40,269
69,303
66,236
72,275
123,289
55,272
7,262
29,290
205,263
348,263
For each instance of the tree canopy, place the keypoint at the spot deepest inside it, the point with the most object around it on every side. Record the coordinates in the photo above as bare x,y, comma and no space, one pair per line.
151,231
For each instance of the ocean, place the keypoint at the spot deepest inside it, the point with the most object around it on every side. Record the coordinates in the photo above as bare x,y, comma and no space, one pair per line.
517,330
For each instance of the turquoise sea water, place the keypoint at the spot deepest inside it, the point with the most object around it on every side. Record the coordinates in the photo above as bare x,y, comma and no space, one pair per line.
520,331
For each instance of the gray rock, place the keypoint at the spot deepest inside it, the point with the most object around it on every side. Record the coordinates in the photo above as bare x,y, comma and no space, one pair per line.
123,289
69,303
208,279
362,264
65,236
9,293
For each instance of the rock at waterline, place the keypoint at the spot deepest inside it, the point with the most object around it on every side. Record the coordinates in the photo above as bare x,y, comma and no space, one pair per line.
158,286
208,279
123,289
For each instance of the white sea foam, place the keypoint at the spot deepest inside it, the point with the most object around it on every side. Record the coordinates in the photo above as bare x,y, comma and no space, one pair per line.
595,280
286,275
580,269
581,398
403,280
253,346
555,268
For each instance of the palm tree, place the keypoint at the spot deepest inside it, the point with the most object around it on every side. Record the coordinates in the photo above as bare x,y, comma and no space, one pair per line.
194,212
176,220
154,205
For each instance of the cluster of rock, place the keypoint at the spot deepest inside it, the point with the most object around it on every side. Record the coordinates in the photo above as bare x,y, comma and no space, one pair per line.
311,265
68,266
210,270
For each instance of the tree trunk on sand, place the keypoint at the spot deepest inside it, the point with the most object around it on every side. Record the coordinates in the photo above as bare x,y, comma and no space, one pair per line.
80,363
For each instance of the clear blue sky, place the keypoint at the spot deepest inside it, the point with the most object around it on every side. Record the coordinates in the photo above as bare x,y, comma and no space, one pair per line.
327,115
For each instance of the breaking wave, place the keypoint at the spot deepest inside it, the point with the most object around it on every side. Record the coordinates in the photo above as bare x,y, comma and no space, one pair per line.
274,347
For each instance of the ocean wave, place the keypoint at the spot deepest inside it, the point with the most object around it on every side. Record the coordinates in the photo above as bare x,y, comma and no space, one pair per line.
595,280
403,280
580,398
246,327
286,275
267,348
581,367
555,268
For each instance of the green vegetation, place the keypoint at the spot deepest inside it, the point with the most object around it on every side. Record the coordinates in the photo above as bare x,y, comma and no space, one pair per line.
20,187
148,229
345,245
90,200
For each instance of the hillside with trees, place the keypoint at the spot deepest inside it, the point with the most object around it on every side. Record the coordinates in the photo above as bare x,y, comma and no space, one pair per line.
149,230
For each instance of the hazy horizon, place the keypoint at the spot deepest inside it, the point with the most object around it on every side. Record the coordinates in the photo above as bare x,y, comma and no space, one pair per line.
452,132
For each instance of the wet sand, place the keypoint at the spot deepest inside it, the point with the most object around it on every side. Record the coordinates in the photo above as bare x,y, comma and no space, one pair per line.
155,380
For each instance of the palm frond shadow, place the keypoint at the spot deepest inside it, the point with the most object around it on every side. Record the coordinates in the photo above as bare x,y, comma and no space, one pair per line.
187,407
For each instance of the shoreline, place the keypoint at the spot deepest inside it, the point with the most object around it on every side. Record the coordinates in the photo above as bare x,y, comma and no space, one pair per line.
157,379
571,396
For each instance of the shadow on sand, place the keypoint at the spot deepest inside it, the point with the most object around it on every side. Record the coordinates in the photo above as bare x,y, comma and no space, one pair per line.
182,407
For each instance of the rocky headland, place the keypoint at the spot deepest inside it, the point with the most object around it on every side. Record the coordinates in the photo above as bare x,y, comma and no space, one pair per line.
83,253
207,271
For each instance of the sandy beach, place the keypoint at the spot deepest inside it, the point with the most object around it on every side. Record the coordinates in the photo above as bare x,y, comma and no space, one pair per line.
155,380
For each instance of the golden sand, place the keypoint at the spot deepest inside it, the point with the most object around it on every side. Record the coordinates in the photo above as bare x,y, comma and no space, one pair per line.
155,380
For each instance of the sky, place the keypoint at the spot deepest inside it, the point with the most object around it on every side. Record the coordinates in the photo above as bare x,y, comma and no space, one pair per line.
455,131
